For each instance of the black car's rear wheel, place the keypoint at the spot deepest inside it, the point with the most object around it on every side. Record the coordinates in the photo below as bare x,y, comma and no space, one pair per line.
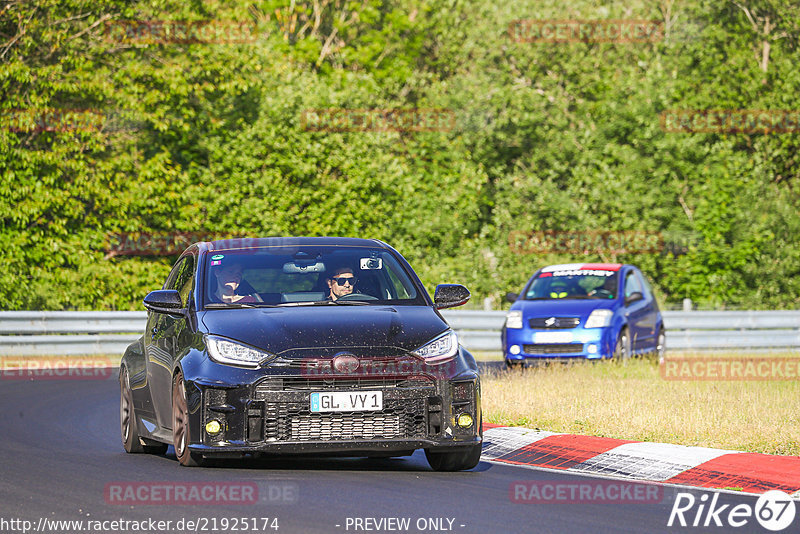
454,460
127,422
180,425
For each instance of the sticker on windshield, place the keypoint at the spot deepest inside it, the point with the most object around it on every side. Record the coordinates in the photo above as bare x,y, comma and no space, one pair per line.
584,272
217,262
217,256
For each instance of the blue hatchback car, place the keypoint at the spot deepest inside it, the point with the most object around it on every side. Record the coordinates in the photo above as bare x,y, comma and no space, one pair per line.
583,310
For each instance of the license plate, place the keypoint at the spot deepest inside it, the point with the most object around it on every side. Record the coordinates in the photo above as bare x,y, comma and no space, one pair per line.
552,337
346,401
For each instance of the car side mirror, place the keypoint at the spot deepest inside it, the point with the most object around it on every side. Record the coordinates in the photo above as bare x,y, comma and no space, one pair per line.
450,296
512,297
164,301
633,297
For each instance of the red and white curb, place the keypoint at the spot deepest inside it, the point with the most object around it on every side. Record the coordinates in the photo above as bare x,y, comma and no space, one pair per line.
645,461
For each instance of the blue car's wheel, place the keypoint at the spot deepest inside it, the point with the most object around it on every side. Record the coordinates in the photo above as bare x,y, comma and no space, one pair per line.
622,351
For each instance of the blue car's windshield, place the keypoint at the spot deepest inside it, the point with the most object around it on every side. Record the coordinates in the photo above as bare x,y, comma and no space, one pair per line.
573,284
306,275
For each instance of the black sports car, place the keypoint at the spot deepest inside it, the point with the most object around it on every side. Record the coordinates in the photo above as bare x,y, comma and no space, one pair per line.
300,346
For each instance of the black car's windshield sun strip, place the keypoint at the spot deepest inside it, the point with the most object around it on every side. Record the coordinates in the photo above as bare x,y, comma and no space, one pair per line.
237,305
221,305
324,303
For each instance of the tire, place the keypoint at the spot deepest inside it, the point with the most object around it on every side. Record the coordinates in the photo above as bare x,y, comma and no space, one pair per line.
180,425
456,460
622,350
127,418
129,429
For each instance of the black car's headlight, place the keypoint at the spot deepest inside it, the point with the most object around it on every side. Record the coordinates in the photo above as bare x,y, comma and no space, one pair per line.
442,348
229,352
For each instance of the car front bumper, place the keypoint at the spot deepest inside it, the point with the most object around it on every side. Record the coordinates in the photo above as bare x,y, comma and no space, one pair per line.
273,416
562,344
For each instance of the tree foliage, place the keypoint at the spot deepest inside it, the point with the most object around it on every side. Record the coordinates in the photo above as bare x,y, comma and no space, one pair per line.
209,137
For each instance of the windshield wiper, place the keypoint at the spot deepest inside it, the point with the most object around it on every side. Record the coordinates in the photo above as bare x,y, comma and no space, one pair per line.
222,305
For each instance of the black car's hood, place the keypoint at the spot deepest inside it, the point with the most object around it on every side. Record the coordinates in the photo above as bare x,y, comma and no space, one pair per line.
314,331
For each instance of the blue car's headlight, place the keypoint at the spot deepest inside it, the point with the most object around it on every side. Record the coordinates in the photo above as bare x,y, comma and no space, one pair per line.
599,319
514,319
229,352
442,349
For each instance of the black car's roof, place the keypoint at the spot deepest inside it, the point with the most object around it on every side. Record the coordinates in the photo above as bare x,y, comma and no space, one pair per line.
239,243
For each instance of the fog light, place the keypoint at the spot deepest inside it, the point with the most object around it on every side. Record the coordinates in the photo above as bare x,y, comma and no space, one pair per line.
464,420
592,349
213,427
514,349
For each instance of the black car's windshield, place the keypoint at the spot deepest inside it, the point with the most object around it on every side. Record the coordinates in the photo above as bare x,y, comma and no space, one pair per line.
306,276
573,283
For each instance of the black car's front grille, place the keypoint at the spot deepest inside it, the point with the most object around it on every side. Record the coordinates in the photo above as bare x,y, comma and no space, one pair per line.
553,348
549,323
280,410
294,421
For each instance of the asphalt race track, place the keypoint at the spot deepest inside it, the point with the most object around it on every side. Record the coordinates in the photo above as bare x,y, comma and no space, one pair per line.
60,450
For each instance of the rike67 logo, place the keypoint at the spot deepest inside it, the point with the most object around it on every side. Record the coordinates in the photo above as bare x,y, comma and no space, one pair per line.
774,511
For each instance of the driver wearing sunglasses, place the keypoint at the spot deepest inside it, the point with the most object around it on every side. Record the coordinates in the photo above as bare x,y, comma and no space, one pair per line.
341,283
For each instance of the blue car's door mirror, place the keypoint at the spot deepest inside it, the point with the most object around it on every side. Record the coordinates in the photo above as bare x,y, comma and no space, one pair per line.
633,297
512,297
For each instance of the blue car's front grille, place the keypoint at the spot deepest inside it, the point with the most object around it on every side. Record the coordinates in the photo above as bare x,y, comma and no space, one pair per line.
553,348
554,322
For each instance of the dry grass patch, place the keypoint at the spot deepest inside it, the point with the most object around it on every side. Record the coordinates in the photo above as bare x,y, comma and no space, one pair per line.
632,401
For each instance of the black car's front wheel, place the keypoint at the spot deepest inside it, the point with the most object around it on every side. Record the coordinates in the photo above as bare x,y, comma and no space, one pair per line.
454,460
129,429
180,425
